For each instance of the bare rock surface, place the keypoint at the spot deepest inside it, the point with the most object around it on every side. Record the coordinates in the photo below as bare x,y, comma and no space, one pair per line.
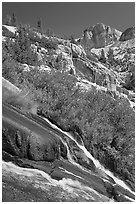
128,34
99,36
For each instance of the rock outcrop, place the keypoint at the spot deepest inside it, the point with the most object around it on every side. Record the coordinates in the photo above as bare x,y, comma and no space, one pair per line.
25,143
128,34
99,36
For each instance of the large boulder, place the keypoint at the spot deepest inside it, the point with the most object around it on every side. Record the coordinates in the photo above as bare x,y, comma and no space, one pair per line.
77,51
128,34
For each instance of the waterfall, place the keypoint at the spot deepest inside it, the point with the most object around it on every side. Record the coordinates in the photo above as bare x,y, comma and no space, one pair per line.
68,153
71,160
95,161
99,166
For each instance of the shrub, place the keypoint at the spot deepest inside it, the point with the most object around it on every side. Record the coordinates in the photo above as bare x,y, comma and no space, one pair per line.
20,48
72,40
10,20
110,56
49,43
11,70
102,57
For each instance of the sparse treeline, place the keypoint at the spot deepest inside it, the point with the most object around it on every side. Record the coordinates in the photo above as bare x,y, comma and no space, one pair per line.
12,20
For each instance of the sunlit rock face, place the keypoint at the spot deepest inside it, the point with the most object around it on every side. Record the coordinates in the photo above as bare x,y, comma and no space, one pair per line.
128,34
99,36
77,51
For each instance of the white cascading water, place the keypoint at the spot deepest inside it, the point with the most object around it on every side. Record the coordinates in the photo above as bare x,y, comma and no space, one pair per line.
118,181
95,161
71,160
68,172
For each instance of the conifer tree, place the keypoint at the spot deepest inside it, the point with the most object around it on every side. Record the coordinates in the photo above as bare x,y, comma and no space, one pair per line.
102,57
110,56
7,20
13,20
72,39
39,26
10,20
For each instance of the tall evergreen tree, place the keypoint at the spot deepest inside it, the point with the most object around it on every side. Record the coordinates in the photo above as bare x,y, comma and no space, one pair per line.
39,26
110,56
7,20
13,20
102,57
72,39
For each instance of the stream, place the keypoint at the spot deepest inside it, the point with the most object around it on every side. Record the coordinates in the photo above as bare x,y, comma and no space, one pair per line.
87,153
64,178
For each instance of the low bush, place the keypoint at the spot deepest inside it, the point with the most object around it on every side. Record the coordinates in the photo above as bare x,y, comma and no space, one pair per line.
48,43
20,48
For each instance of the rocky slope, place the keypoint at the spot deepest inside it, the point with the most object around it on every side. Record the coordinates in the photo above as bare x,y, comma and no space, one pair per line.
87,88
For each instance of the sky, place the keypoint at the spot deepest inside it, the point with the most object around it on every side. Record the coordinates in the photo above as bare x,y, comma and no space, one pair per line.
72,18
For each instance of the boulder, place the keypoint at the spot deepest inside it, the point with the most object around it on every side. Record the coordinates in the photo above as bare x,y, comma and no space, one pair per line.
77,51
128,34
57,175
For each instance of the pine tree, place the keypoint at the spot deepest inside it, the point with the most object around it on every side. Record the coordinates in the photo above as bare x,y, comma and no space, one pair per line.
72,39
39,26
10,20
22,47
13,20
7,20
49,32
110,56
102,57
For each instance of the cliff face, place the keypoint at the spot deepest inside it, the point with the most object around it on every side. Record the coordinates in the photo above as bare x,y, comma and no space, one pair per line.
99,36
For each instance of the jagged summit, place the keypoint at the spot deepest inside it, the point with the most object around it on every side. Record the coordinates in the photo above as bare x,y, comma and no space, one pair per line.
99,35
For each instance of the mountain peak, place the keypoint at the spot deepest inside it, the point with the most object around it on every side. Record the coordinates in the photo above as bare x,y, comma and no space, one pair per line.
99,35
